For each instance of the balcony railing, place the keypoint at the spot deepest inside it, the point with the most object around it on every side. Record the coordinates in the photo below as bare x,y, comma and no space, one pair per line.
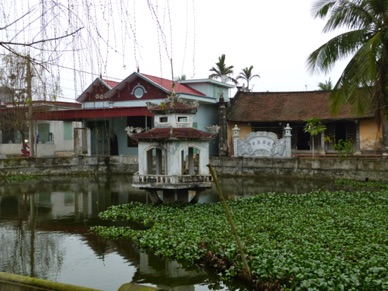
171,181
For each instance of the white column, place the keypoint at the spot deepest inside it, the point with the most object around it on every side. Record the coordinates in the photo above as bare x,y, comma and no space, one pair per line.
149,162
191,161
236,137
158,161
322,150
183,163
287,136
89,141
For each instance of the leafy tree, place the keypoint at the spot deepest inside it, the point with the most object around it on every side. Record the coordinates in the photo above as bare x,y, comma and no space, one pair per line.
326,86
313,127
364,81
222,71
247,75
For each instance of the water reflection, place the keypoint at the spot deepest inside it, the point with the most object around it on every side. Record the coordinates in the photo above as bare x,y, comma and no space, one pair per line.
23,247
44,232
237,187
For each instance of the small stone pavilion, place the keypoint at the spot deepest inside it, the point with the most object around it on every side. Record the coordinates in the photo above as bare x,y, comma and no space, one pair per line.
173,156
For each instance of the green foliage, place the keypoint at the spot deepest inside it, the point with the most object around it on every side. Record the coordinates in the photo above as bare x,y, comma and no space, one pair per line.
247,75
19,178
344,147
362,184
326,86
364,43
314,126
222,71
315,241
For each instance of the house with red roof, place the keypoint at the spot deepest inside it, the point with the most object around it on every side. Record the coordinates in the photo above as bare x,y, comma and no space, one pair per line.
109,110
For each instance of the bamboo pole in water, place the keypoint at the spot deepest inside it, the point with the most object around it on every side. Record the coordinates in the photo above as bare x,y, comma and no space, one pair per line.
231,222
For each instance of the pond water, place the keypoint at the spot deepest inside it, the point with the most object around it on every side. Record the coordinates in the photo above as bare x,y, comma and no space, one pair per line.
44,232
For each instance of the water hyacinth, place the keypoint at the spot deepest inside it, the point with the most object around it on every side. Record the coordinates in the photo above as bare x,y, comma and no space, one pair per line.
320,240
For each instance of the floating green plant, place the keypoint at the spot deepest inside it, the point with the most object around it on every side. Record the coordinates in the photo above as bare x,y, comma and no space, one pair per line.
315,241
18,178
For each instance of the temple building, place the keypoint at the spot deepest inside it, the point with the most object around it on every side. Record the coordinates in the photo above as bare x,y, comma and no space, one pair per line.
173,156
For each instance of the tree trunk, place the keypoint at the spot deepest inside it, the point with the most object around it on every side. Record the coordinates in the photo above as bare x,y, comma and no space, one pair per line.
30,115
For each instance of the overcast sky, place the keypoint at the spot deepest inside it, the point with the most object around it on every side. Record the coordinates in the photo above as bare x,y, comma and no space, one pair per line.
276,37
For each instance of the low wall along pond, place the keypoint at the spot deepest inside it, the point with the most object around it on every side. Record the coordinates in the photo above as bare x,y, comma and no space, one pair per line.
355,167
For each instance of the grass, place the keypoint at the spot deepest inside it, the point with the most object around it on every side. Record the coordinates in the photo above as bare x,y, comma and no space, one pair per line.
316,241
18,178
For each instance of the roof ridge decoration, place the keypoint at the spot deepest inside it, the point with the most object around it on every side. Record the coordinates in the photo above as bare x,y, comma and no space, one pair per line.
173,104
172,133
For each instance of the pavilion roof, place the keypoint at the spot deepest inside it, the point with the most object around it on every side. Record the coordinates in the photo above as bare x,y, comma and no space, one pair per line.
172,133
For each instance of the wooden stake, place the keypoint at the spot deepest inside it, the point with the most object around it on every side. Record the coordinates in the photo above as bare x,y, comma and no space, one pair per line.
231,222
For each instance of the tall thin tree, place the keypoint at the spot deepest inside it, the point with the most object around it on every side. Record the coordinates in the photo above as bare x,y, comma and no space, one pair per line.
222,71
313,126
247,75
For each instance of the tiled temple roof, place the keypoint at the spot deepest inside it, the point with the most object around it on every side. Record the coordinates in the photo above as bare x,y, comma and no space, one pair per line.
284,106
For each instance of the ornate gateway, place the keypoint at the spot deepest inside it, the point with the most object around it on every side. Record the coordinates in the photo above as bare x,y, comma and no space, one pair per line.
262,144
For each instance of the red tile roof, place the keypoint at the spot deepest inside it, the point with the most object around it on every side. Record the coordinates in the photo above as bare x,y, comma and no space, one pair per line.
170,133
111,83
167,85
108,84
283,106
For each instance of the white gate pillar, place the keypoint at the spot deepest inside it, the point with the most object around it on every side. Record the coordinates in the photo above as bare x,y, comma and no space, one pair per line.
287,136
236,137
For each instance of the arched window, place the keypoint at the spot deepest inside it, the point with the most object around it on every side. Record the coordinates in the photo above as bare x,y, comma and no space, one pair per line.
156,162
190,158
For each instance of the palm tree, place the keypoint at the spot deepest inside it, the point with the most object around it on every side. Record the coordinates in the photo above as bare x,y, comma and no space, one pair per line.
182,78
364,81
327,86
222,71
246,74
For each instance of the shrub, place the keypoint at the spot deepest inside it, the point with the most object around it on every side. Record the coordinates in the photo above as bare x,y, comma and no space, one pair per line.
344,147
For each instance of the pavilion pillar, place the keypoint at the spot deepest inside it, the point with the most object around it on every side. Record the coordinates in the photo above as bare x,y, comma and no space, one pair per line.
158,161
149,162
191,161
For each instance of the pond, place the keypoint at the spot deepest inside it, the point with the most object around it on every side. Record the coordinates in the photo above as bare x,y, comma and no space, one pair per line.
44,232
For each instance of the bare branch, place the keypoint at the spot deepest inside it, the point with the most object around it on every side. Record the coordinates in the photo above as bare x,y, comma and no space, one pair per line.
16,53
7,43
24,15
